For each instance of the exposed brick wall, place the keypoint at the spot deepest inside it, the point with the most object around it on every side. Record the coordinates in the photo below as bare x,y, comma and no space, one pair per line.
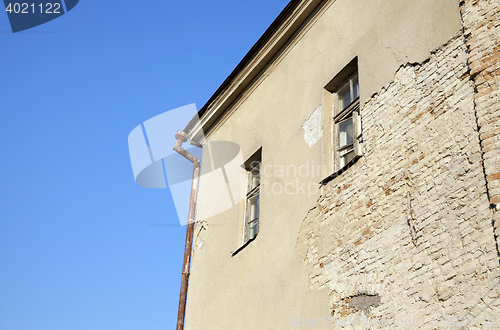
481,21
411,221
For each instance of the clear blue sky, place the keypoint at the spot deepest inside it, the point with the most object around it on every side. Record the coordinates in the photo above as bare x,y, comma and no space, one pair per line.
76,247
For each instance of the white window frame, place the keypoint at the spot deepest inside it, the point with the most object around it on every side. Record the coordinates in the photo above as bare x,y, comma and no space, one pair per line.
343,113
251,226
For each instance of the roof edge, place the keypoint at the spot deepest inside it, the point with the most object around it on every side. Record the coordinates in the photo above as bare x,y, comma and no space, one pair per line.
261,53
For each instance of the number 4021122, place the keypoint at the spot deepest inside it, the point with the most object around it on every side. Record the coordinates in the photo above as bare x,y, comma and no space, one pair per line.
25,8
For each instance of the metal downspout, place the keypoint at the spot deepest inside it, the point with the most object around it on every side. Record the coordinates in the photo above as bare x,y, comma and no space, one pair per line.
181,138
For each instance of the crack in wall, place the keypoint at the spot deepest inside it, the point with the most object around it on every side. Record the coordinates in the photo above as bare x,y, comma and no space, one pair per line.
472,79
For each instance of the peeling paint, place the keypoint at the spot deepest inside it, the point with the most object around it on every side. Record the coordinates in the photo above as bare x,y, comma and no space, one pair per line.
312,127
422,172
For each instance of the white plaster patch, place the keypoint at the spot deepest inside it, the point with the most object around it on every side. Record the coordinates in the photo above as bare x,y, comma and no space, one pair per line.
312,127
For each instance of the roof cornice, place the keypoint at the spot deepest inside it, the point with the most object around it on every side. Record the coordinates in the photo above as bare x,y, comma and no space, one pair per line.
255,61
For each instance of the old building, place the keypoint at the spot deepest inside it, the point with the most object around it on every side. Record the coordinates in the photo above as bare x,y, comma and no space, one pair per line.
369,133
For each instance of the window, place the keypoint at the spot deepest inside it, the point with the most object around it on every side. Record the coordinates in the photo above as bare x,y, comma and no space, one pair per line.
251,210
252,201
343,123
348,121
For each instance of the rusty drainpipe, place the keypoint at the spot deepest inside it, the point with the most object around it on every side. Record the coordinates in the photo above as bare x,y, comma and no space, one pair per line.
181,138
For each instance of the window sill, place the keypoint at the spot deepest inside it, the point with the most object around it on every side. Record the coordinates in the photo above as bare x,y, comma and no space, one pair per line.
243,246
339,172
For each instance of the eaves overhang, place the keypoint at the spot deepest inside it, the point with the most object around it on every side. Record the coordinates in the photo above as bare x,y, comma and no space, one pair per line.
255,61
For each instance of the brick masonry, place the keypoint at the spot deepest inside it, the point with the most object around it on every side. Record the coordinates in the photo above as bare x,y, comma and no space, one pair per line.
409,226
481,23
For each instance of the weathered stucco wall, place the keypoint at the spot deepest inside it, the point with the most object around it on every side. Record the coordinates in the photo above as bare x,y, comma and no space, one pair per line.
408,229
265,286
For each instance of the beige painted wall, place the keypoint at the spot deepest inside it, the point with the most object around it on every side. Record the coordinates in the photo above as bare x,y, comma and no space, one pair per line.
266,284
